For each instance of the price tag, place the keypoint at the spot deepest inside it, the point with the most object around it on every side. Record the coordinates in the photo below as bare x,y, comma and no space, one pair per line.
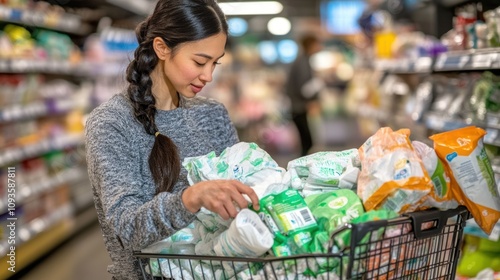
481,61
434,122
495,233
20,65
441,61
495,62
464,59
423,64
491,135
4,65
16,14
403,65
5,12
37,18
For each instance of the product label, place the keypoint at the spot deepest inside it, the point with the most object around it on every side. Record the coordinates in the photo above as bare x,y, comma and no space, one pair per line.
466,170
297,219
439,180
338,202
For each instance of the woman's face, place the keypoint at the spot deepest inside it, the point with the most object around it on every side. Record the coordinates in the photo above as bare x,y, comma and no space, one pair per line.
191,67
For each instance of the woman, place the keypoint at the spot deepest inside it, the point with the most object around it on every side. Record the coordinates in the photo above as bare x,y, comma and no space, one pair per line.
137,140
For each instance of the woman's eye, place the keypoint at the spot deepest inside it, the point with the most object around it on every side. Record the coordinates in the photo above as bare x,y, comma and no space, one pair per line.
198,63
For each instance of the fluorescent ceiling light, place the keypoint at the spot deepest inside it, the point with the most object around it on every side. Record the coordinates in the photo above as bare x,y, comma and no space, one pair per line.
139,7
251,8
279,26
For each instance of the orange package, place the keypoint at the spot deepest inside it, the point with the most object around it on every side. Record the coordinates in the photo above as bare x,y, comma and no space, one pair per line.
392,175
472,180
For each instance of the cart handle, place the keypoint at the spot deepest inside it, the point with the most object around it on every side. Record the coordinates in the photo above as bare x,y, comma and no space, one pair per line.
437,217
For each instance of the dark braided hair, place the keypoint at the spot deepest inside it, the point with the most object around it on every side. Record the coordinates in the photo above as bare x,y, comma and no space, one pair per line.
176,22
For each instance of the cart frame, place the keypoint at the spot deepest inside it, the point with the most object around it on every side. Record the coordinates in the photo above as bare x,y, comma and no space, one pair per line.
418,245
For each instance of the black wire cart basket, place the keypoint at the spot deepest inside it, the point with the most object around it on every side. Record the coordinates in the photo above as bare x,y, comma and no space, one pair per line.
420,245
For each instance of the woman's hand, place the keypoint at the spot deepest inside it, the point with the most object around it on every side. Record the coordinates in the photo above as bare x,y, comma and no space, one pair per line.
219,196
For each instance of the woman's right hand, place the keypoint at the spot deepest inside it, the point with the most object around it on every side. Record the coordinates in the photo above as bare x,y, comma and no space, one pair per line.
219,196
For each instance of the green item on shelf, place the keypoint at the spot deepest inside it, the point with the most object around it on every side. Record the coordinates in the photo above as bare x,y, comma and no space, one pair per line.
486,245
57,45
486,96
472,263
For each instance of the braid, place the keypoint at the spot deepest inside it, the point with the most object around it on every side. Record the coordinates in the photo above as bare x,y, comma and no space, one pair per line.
164,161
138,76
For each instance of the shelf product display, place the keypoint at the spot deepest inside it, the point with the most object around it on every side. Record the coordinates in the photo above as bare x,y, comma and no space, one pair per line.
48,83
439,85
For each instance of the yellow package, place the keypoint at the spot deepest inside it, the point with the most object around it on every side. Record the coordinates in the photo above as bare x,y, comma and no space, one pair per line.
392,175
472,180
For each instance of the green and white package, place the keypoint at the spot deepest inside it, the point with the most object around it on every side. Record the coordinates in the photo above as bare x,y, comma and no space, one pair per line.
245,162
336,207
323,171
343,238
292,217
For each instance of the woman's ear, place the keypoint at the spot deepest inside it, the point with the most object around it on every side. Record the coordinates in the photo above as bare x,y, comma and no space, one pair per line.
161,49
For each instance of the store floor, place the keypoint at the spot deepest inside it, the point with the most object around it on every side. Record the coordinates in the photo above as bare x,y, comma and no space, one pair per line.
82,257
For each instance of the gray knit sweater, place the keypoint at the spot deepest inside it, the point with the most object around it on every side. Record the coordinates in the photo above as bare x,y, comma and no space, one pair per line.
130,214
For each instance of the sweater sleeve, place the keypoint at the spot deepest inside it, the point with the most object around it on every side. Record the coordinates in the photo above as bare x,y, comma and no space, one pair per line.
138,216
231,135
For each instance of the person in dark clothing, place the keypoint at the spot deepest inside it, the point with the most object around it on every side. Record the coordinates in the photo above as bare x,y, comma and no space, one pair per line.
302,89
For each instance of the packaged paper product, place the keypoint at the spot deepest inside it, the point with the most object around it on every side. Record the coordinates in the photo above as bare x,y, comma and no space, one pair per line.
181,242
472,180
247,236
245,162
323,171
441,195
392,176
336,207
292,217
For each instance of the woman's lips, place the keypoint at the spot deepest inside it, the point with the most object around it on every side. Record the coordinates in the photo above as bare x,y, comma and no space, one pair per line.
196,89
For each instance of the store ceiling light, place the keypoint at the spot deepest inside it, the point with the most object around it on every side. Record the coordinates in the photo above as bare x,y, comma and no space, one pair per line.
251,8
279,26
139,7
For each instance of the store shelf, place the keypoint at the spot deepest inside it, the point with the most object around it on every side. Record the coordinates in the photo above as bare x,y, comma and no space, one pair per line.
470,60
56,21
42,66
84,69
68,176
47,234
17,154
419,65
37,109
441,123
370,112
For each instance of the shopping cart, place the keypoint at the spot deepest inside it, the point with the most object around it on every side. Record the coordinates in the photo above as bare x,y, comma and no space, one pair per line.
419,245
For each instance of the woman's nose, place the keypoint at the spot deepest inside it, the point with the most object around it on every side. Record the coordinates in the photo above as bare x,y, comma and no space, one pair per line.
207,74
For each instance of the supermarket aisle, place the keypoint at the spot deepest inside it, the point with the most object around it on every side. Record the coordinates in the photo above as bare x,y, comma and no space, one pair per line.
83,257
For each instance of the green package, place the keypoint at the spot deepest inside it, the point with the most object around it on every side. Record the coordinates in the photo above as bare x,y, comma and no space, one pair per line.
343,238
336,207
290,220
